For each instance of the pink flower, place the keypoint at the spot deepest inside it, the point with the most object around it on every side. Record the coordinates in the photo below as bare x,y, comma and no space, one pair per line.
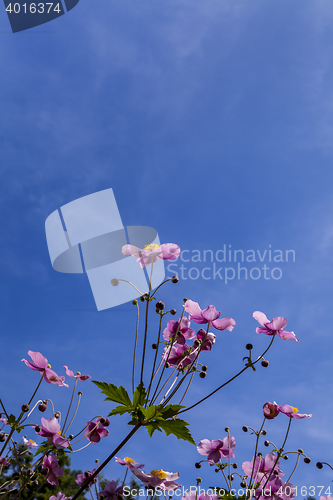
95,431
179,355
29,442
51,430
262,467
184,331
40,364
152,252
78,374
292,412
129,462
3,420
60,496
82,478
217,449
276,326
54,470
210,314
158,479
4,462
207,340
192,495
271,410
111,491
329,497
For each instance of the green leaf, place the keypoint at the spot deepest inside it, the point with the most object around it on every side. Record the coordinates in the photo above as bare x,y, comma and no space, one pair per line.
139,396
149,412
177,427
170,411
42,448
152,427
120,410
114,393
11,419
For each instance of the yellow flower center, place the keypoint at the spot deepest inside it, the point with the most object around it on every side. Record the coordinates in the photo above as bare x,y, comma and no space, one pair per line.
31,441
159,473
59,432
150,247
295,409
129,460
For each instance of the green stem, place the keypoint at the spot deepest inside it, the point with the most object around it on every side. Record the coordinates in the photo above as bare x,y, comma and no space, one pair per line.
70,405
255,451
135,343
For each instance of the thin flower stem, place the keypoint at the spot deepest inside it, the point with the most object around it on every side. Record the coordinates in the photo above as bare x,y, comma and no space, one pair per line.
171,386
32,397
256,449
165,383
228,381
155,357
39,401
76,409
127,438
292,473
85,446
144,341
172,342
130,284
135,343
159,286
151,275
188,385
92,498
70,405
279,453
124,477
229,458
1,403
226,480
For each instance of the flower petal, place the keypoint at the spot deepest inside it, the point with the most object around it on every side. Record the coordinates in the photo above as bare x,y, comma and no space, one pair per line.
260,317
277,323
170,251
224,324
210,313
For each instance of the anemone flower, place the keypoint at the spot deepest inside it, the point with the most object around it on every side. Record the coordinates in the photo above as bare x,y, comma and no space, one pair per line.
50,462
78,374
210,314
82,478
217,448
150,253
184,331
95,430
111,491
39,363
276,326
51,430
292,412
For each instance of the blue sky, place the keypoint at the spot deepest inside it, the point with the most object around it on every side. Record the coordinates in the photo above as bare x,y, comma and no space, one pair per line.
212,122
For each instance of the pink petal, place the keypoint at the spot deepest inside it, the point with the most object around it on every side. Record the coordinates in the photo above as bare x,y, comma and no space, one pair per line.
193,309
224,324
260,317
69,372
210,313
204,447
131,250
285,335
170,251
277,323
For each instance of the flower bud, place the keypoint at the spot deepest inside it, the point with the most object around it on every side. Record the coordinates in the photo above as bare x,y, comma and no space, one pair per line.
42,407
57,414
307,460
264,432
25,408
276,472
35,483
234,466
135,302
245,428
167,365
300,450
249,347
142,299
160,306
174,279
204,368
285,457
196,343
44,471
114,282
202,374
154,346
71,436
264,363
226,429
2,437
15,475
38,428
173,312
29,472
243,484
231,478
197,465
319,465
102,420
266,443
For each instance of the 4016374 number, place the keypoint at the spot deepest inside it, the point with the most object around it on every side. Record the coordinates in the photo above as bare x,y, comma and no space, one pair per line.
34,8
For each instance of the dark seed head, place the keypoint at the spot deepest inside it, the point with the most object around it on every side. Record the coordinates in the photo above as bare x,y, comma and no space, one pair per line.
266,443
71,436
160,306
245,428
42,407
44,471
173,312
202,374
114,282
37,428
204,368
2,437
174,279
264,363
25,408
142,299
57,414
243,484
197,465
102,420
234,466
319,465
154,346
307,460
264,432
249,347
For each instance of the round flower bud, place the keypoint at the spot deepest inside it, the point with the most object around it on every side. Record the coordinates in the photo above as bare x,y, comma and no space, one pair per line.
197,465
160,306
107,422
243,484
44,471
134,302
2,437
249,347
71,436
217,470
29,472
57,414
234,466
102,420
307,460
142,299
264,363
185,300
167,365
232,477
173,312
226,429
38,428
202,374
319,465
204,368
154,346
196,343
266,443
114,282
285,457
42,407
245,428
264,432
15,475
25,408
174,279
